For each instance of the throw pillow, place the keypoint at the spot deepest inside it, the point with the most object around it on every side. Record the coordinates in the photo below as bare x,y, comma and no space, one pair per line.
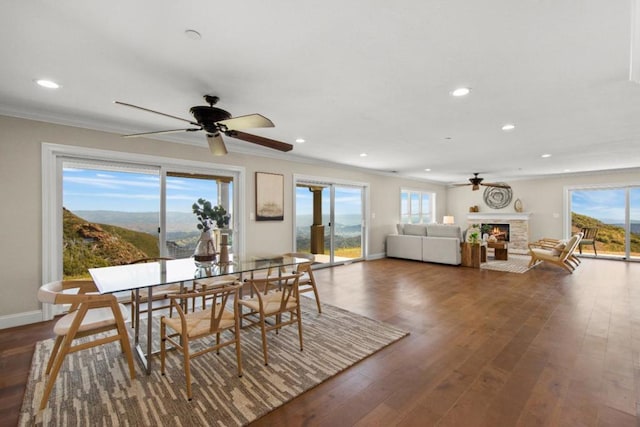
400,228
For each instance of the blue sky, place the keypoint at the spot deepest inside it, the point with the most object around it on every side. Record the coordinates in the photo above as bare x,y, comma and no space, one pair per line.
348,201
91,189
605,204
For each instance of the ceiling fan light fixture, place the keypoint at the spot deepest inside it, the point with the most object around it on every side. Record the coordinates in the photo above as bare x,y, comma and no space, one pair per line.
216,145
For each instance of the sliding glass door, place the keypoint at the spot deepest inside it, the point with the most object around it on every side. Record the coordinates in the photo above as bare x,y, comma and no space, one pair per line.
330,221
634,223
114,213
615,213
111,215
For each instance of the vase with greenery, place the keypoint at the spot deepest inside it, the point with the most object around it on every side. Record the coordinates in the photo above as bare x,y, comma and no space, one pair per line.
210,218
209,215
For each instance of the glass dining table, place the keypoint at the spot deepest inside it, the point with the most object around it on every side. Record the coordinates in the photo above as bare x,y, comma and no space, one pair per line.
134,277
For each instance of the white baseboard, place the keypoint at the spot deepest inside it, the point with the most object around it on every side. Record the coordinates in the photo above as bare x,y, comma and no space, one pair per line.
371,257
20,319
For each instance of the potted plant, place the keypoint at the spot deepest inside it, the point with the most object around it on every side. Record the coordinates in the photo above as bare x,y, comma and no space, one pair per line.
210,215
211,218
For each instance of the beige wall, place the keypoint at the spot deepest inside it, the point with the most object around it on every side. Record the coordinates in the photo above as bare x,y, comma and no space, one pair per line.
20,192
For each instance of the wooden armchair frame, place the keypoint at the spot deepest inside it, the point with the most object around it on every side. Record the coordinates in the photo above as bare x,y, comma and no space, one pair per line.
273,298
90,313
561,259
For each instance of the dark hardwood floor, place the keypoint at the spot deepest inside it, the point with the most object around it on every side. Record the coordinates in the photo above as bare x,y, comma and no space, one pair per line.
486,348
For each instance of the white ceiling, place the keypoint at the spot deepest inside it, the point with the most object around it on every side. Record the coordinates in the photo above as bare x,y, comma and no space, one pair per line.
350,77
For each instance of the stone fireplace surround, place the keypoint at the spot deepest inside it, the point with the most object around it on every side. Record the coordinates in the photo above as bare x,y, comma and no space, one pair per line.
518,227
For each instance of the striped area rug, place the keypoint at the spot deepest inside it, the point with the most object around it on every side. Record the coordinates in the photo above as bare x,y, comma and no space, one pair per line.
515,264
94,388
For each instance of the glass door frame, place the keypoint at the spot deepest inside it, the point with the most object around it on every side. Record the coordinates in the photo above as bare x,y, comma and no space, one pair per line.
331,183
627,214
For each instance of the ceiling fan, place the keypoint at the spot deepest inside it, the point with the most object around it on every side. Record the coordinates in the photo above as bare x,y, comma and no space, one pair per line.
476,181
215,122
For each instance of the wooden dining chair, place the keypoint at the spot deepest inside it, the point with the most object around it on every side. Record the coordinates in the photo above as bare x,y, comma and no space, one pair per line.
203,285
89,314
187,327
160,293
274,297
588,239
307,282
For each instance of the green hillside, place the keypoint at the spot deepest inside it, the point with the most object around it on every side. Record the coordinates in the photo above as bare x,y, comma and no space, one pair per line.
610,238
87,245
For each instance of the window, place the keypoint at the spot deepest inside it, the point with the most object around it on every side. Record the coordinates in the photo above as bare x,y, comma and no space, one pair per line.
417,207
145,200
614,212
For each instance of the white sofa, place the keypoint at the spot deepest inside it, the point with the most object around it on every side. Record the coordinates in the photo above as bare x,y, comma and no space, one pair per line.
426,242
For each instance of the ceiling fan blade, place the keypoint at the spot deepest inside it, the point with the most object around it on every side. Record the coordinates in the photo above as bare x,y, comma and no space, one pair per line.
265,142
495,184
460,185
247,122
160,132
156,112
216,144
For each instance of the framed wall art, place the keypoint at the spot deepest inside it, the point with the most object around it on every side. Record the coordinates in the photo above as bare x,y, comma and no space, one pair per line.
269,196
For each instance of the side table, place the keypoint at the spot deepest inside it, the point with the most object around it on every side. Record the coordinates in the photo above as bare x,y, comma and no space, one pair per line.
500,250
473,254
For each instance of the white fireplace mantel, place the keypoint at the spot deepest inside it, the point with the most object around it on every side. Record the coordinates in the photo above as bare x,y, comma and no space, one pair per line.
512,216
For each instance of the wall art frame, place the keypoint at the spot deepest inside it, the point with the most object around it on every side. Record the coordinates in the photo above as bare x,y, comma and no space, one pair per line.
269,196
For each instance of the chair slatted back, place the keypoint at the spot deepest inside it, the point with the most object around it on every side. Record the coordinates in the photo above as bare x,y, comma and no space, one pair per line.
220,296
589,233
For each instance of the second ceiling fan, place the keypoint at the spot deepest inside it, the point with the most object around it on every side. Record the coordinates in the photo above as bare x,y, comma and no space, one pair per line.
476,182
215,122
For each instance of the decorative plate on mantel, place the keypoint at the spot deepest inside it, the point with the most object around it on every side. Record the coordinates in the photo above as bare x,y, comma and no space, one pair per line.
498,197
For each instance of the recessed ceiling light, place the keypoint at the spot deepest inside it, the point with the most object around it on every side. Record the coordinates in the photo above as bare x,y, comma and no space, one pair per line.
48,84
544,156
363,154
193,34
427,170
567,170
300,140
461,91
508,127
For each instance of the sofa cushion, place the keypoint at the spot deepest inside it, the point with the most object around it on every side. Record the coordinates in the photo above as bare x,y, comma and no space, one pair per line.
445,250
406,247
440,230
415,229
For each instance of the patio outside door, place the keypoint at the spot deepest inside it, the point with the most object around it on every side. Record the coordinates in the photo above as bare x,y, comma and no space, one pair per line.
329,221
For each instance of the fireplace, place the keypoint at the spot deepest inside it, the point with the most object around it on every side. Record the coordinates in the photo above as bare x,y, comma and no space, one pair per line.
518,222
499,231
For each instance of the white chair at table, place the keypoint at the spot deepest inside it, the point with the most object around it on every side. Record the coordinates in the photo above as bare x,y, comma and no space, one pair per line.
90,313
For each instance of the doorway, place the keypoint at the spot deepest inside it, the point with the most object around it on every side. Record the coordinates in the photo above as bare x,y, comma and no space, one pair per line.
329,220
